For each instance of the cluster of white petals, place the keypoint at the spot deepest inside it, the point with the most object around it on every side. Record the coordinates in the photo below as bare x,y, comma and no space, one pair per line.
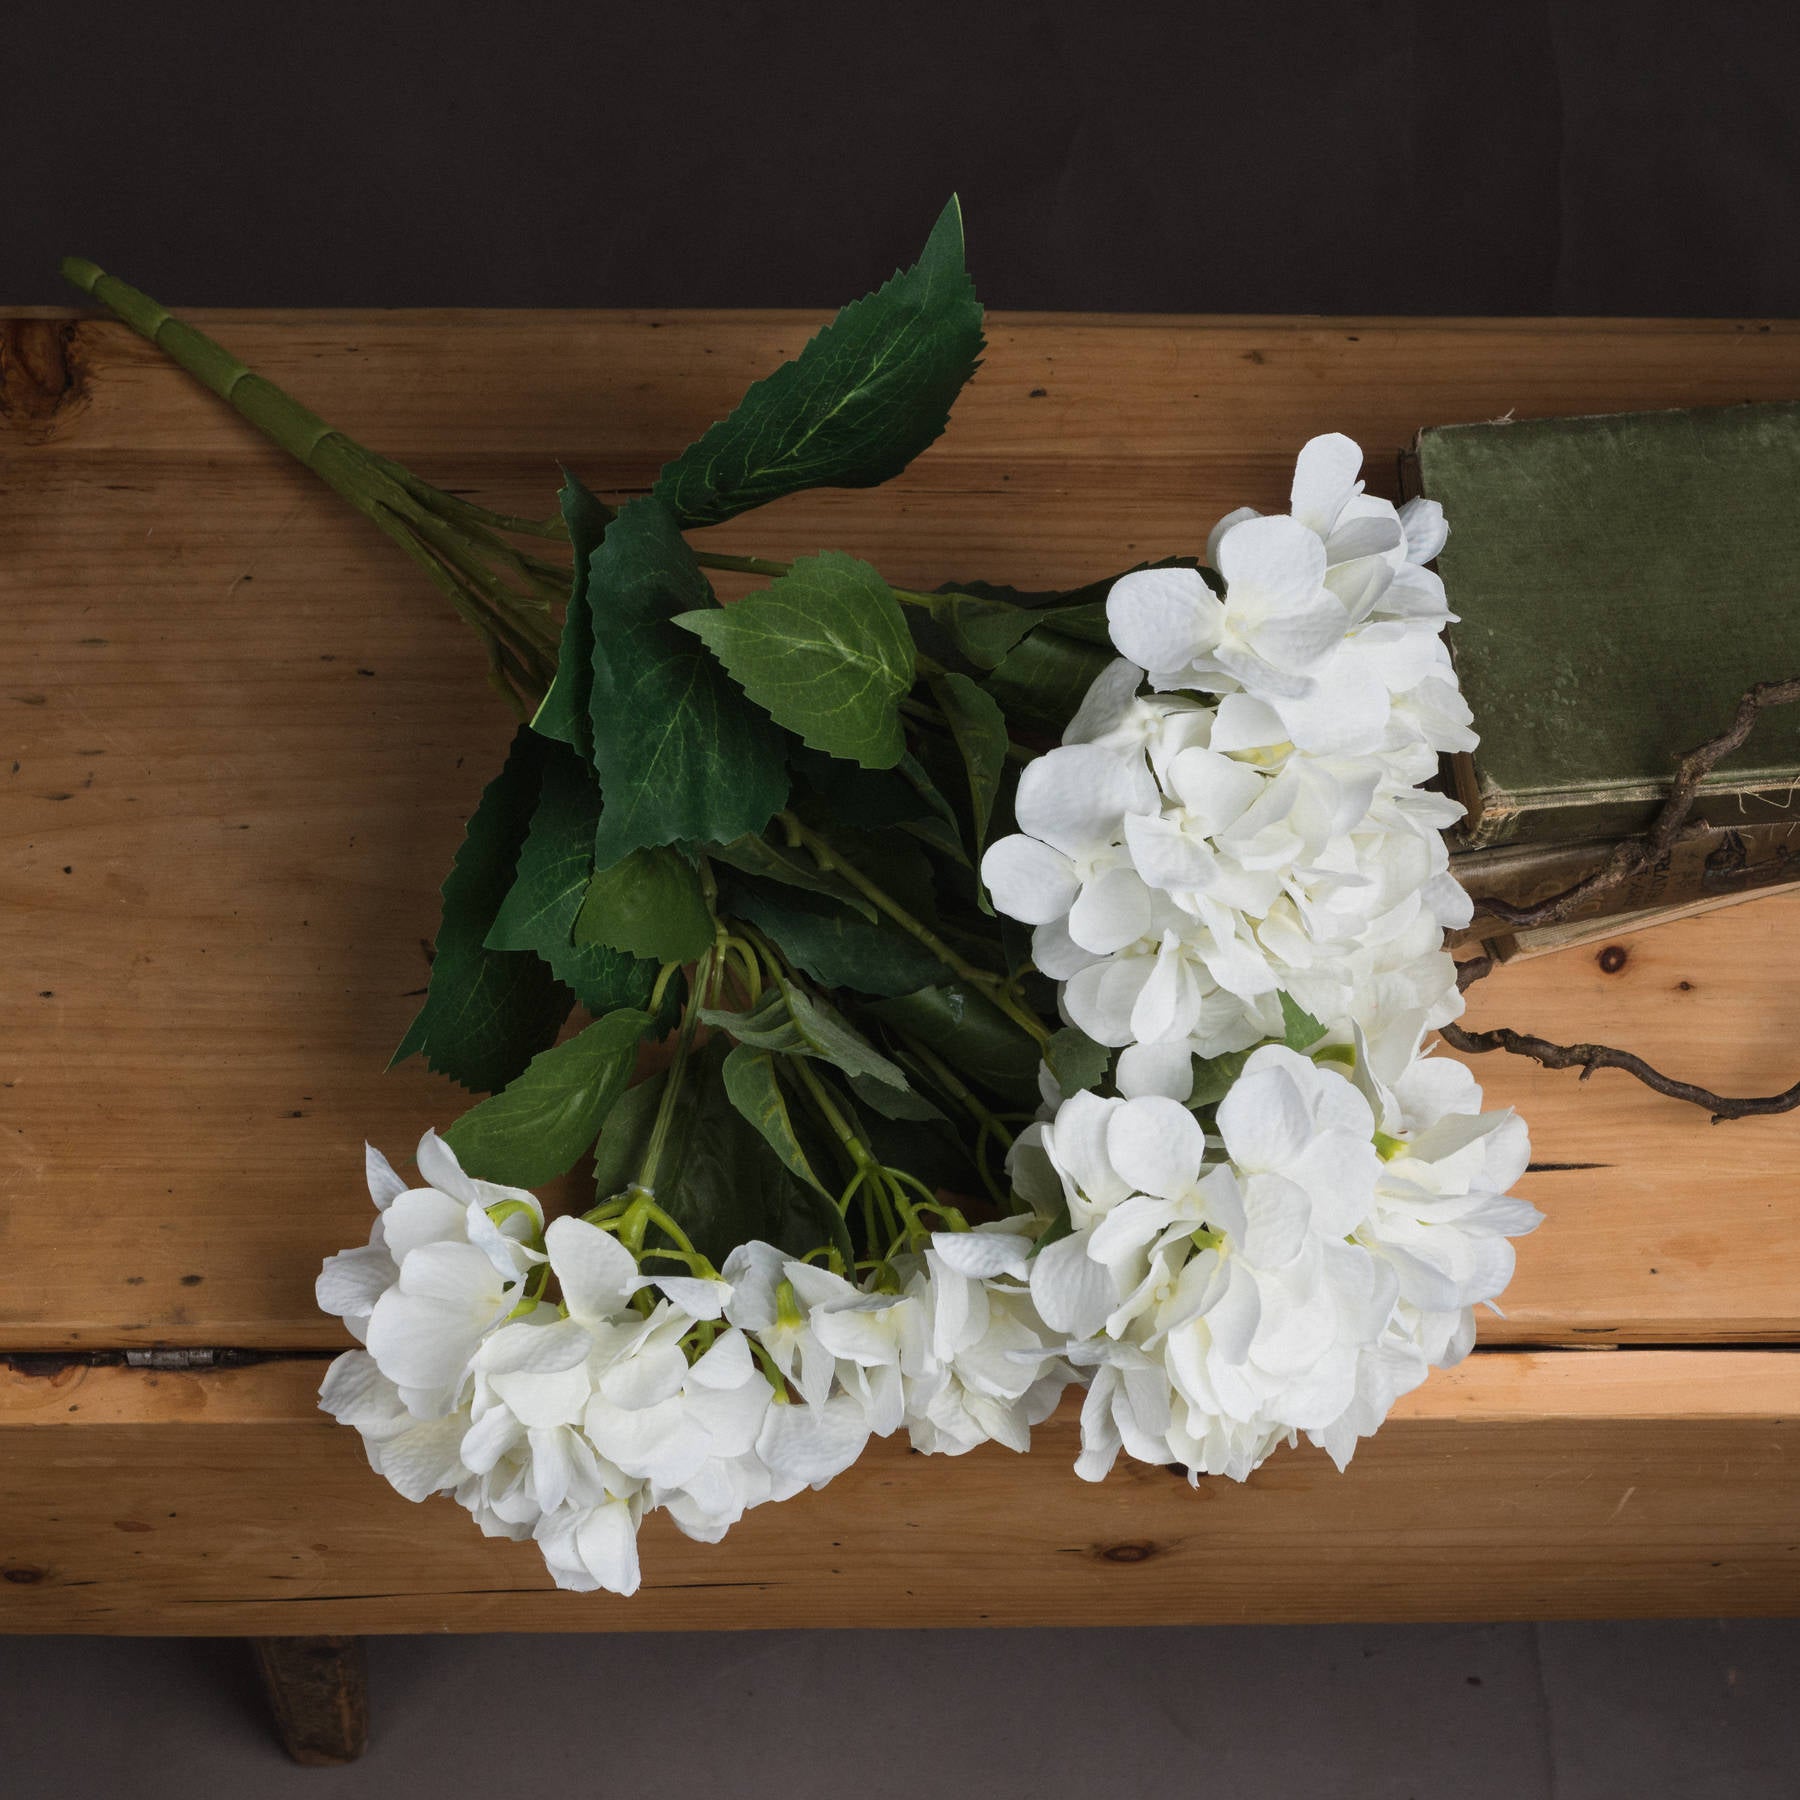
566,1419
1238,813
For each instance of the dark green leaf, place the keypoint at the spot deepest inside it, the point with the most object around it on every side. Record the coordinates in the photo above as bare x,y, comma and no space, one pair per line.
979,727
564,713
838,949
894,1103
984,630
650,905
1076,1060
794,868
1043,681
725,1185
619,1155
790,1023
539,911
1213,1075
680,752
874,798
540,1124
755,1090
969,1033
1301,1029
856,406
488,1012
824,651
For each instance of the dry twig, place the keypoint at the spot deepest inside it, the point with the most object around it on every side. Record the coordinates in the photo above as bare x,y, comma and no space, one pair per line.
1671,825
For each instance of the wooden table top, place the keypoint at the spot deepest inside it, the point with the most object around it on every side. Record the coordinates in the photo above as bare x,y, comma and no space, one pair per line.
240,738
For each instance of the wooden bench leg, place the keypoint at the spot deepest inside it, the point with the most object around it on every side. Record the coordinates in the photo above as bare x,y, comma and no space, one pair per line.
318,1689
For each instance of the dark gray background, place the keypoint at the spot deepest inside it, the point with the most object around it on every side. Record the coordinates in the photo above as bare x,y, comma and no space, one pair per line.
1599,156
1472,156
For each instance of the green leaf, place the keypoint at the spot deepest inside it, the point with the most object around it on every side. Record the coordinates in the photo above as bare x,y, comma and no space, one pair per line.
680,752
984,630
619,1155
1076,1060
755,1090
893,1103
722,1183
1213,1075
969,1033
564,712
825,651
1301,1029
539,1125
488,1012
650,905
864,397
1042,682
791,1024
539,911
794,868
837,949
979,727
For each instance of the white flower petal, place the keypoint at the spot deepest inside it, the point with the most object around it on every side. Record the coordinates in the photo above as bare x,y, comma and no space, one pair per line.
1325,480
596,1273
1072,1291
1028,880
1157,1145
1110,912
1162,619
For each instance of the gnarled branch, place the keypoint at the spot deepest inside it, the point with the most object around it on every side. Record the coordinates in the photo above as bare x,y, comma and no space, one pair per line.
1671,825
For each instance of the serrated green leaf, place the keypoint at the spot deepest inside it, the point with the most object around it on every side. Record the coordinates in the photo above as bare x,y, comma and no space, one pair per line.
1076,1060
540,1123
488,1012
864,397
1300,1029
979,728
793,868
969,1033
650,905
564,712
984,630
681,754
838,949
538,913
824,650
755,1090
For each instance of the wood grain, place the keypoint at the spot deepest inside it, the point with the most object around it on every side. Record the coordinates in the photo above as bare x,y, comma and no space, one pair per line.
240,738
1559,1484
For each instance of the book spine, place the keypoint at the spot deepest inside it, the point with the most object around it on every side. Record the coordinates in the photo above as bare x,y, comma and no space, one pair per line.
1709,864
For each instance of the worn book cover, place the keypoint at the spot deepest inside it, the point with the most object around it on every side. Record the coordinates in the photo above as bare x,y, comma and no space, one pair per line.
1620,580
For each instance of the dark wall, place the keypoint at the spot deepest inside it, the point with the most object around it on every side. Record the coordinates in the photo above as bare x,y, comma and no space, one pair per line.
1595,156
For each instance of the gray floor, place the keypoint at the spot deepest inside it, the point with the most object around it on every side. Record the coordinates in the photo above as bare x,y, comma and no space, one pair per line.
1703,1711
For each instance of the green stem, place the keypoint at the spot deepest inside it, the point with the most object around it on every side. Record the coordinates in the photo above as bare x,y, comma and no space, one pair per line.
665,1108
993,987
450,538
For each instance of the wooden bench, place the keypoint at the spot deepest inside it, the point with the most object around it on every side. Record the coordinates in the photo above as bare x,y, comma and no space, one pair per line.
240,736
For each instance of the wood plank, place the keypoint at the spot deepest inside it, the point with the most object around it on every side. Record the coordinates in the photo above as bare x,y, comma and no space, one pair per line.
1545,1485
240,739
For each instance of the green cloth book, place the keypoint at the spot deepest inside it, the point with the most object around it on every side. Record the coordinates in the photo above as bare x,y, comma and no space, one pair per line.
1620,581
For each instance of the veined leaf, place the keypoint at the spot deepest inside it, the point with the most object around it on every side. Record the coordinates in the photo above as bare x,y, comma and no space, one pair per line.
864,397
680,752
824,650
1041,683
979,727
564,712
755,1090
969,1033
539,911
539,1125
838,949
488,1012
793,868
650,905
619,1155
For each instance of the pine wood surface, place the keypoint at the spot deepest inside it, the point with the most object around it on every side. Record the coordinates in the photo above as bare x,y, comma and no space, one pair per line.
1555,1484
240,739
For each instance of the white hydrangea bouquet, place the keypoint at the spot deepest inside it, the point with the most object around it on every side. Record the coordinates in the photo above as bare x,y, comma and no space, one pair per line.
931,1066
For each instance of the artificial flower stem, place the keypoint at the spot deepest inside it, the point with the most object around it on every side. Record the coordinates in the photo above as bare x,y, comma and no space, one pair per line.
432,527
991,986
665,1108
